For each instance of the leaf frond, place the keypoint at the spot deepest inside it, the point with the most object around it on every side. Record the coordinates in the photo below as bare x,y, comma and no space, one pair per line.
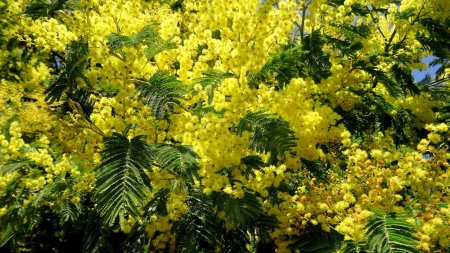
391,233
41,8
180,159
162,92
201,229
211,80
270,133
121,181
73,67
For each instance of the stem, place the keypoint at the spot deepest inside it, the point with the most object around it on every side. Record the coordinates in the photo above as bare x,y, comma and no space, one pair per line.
302,27
378,27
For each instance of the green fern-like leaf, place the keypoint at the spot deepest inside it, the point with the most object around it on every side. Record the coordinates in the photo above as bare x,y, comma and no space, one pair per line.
180,159
73,67
315,60
436,38
95,239
137,240
156,46
121,181
236,241
391,233
7,235
12,167
282,67
69,212
146,36
373,114
161,93
298,60
211,80
354,247
42,8
245,212
394,89
201,109
117,41
200,230
57,187
252,163
317,168
78,101
158,204
270,133
316,240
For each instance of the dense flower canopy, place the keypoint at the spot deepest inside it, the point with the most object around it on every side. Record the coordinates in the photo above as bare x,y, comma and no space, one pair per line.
224,126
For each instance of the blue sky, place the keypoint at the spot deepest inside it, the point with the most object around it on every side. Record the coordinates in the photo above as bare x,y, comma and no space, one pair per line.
420,74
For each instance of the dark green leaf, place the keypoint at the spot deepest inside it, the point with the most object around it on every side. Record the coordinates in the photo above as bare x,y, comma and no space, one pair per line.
161,93
211,80
180,159
270,133
73,67
121,181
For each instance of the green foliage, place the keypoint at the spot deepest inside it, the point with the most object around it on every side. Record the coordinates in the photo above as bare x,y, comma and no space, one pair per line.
162,92
354,247
158,204
304,60
179,159
69,212
282,67
386,233
121,180
316,168
437,38
211,80
374,114
391,233
156,46
73,66
252,162
200,230
237,239
137,241
95,239
242,211
270,133
146,36
7,235
78,101
42,8
308,242
316,61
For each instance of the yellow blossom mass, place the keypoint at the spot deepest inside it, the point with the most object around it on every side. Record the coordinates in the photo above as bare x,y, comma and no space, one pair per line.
224,126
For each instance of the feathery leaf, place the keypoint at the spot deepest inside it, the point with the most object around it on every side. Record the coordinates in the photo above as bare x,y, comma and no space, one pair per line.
270,133
121,181
161,93
200,230
41,8
211,80
308,242
117,41
69,211
73,67
391,233
180,159
146,36
156,46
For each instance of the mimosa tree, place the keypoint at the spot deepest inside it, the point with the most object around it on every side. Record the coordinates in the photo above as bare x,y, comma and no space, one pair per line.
224,126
